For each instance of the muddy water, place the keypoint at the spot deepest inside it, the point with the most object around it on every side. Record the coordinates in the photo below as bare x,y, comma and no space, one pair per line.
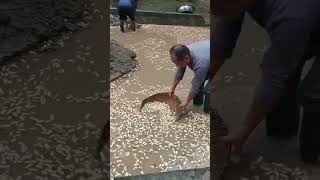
143,142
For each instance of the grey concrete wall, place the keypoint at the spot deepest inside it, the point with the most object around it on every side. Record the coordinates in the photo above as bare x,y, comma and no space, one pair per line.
167,18
191,174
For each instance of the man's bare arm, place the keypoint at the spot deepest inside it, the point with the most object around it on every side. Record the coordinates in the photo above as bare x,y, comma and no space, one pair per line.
174,85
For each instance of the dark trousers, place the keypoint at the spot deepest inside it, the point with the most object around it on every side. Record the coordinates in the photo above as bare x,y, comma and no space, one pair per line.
198,98
309,99
125,11
283,121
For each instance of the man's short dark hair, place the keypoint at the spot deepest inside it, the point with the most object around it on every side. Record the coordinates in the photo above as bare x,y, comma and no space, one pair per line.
180,51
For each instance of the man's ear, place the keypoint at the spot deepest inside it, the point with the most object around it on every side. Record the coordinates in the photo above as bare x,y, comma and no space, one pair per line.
186,58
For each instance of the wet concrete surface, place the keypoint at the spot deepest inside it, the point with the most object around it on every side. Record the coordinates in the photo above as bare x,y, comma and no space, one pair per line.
234,87
53,108
145,142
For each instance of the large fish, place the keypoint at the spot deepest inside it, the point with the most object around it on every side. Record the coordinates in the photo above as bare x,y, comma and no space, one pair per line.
172,101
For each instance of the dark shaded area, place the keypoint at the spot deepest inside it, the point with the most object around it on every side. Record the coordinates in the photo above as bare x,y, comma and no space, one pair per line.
23,23
54,105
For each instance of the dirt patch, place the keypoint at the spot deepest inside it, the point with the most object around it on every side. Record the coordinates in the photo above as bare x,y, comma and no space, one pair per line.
114,21
23,23
122,60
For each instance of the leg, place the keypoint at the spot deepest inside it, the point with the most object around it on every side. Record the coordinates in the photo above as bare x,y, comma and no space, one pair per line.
309,95
132,15
123,17
309,146
284,120
207,105
198,99
122,25
126,23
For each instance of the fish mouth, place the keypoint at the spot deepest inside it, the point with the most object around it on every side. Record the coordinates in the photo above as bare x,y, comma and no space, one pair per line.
173,101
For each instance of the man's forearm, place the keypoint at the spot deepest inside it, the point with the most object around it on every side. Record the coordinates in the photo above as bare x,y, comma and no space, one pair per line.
189,98
174,84
256,114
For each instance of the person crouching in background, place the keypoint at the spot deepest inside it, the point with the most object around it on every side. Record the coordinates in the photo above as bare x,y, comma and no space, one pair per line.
127,8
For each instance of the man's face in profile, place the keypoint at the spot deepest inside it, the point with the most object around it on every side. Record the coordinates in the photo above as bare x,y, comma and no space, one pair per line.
181,63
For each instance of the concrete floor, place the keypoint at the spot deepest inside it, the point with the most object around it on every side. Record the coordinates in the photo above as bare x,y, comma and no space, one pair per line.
232,98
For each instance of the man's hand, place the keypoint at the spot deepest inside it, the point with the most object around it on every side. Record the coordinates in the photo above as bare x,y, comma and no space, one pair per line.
171,93
236,139
183,106
255,115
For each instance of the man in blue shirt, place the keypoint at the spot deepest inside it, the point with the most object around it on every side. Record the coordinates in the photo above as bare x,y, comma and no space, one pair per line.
127,8
197,57
294,30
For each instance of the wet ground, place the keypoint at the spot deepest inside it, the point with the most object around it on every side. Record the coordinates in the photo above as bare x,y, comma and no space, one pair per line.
143,142
23,24
53,107
234,88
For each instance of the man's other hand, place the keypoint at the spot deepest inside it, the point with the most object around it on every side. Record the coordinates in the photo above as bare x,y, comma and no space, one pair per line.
183,107
236,139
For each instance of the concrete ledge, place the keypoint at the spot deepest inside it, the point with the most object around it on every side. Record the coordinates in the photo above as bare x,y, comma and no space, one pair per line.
190,174
166,18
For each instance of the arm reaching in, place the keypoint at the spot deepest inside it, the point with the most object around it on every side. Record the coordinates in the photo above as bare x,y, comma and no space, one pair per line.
173,86
184,105
224,38
178,77
279,65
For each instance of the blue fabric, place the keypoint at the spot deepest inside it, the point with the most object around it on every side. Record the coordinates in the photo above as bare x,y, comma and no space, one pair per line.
126,3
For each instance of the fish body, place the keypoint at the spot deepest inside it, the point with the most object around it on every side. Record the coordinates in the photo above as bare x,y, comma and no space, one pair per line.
172,101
